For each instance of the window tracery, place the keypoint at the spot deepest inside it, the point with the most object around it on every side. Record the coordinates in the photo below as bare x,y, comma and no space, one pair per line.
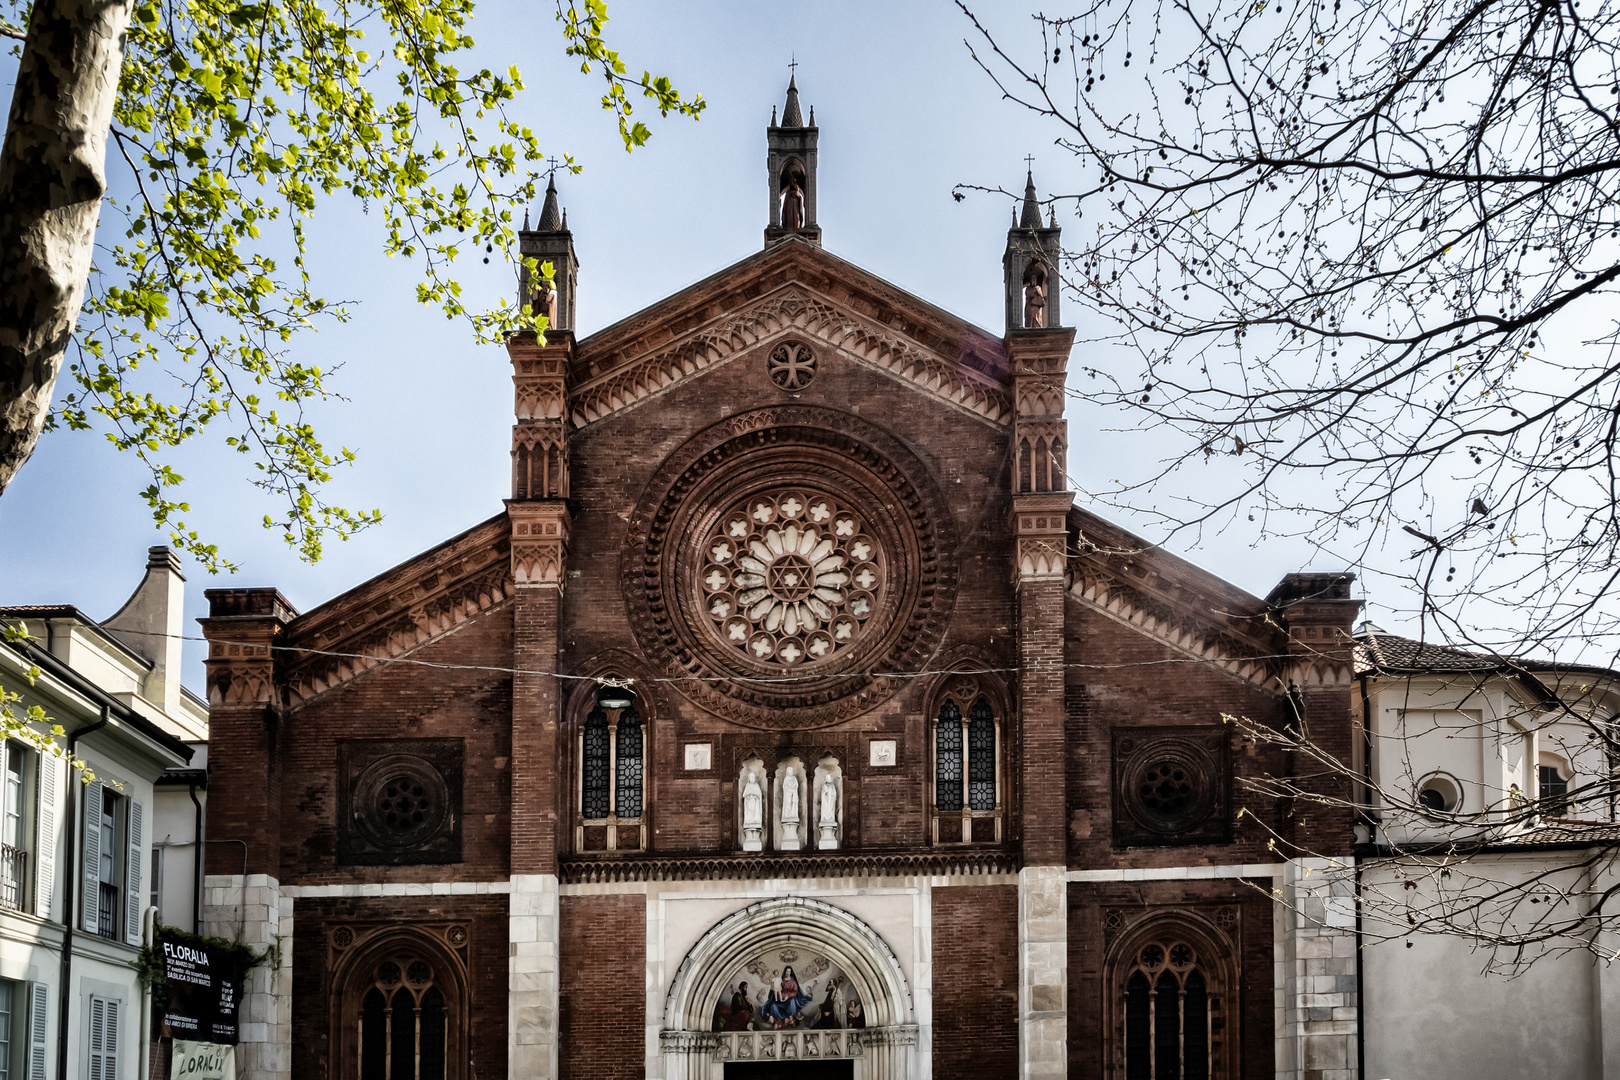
967,764
791,577
611,775
1174,1006
400,1011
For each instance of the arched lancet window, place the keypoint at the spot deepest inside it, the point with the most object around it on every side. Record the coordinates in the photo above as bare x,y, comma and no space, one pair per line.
611,774
948,759
967,766
1173,999
401,1014
981,757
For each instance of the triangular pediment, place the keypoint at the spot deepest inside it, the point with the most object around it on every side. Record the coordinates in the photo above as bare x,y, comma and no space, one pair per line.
792,289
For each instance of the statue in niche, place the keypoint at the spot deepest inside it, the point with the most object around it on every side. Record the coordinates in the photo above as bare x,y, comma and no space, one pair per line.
545,302
753,814
1035,299
790,810
827,820
793,203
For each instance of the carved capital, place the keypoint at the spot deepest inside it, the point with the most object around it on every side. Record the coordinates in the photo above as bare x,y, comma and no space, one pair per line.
540,532
1041,534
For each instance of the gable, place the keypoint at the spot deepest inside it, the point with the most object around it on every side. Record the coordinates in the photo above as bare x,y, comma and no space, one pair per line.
1191,611
791,289
397,612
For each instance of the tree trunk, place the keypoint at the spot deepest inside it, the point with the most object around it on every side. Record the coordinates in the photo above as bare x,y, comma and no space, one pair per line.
52,179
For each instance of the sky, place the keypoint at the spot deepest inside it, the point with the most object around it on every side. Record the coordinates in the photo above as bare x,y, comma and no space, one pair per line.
904,115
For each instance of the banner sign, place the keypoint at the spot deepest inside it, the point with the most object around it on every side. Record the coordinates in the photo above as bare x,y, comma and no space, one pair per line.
202,1061
204,984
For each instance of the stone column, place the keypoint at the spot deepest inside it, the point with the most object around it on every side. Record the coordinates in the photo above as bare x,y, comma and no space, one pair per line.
242,891
687,1054
1316,971
888,1051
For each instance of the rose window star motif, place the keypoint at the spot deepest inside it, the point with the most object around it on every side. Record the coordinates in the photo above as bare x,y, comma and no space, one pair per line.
791,577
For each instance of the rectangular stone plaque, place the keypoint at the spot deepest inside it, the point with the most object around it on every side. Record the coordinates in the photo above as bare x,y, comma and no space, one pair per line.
697,756
883,752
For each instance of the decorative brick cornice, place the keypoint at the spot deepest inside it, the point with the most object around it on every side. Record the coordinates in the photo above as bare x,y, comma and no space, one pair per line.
792,309
540,532
585,869
1041,525
397,612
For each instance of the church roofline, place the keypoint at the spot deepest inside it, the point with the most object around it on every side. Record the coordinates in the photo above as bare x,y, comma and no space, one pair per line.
979,351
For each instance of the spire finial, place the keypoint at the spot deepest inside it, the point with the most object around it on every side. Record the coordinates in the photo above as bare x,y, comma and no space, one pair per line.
550,216
1031,217
792,116
525,219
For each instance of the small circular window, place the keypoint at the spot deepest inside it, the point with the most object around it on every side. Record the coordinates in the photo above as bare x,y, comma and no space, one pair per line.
1169,788
400,801
1439,794
792,366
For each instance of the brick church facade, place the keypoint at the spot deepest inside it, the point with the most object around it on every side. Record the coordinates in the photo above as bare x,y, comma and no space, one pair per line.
790,720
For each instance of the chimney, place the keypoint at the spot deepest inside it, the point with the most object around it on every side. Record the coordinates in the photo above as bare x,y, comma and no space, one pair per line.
152,621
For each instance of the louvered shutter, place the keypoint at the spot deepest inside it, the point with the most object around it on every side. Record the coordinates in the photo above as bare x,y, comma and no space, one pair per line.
98,1035
109,1046
134,902
45,842
92,854
38,1014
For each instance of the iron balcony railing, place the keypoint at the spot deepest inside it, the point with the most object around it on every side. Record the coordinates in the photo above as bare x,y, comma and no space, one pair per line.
13,878
106,910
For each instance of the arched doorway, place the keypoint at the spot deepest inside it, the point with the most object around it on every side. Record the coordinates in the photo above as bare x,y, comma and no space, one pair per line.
790,989
400,1010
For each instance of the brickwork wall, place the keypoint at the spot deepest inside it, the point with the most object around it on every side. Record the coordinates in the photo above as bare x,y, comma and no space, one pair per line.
1088,953
611,466
975,948
312,974
402,702
603,950
1167,689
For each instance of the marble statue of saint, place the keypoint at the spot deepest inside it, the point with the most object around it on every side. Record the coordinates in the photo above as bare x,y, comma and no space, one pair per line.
793,204
753,804
1035,301
829,805
790,796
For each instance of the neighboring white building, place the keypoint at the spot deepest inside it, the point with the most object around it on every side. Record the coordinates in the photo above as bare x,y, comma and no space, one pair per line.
1500,754
86,862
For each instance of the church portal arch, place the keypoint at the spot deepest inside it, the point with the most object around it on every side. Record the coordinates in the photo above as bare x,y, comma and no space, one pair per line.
880,1029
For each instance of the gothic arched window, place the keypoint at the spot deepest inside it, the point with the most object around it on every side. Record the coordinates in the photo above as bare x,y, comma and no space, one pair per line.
611,774
967,765
1174,1007
401,1012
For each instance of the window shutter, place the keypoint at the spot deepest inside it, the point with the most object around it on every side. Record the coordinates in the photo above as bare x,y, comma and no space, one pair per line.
45,844
91,899
134,901
98,1035
109,1047
38,1015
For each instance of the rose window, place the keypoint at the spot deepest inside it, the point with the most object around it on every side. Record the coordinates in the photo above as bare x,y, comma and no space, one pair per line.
791,577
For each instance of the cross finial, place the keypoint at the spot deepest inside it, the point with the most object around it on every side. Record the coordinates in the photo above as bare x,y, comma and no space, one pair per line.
1029,162
551,166
793,64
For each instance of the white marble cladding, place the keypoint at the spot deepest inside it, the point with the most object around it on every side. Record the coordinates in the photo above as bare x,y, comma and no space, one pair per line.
1317,994
532,977
1043,972
253,910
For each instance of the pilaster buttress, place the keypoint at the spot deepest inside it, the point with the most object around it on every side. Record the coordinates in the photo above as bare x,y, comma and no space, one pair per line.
540,520
1039,359
540,523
